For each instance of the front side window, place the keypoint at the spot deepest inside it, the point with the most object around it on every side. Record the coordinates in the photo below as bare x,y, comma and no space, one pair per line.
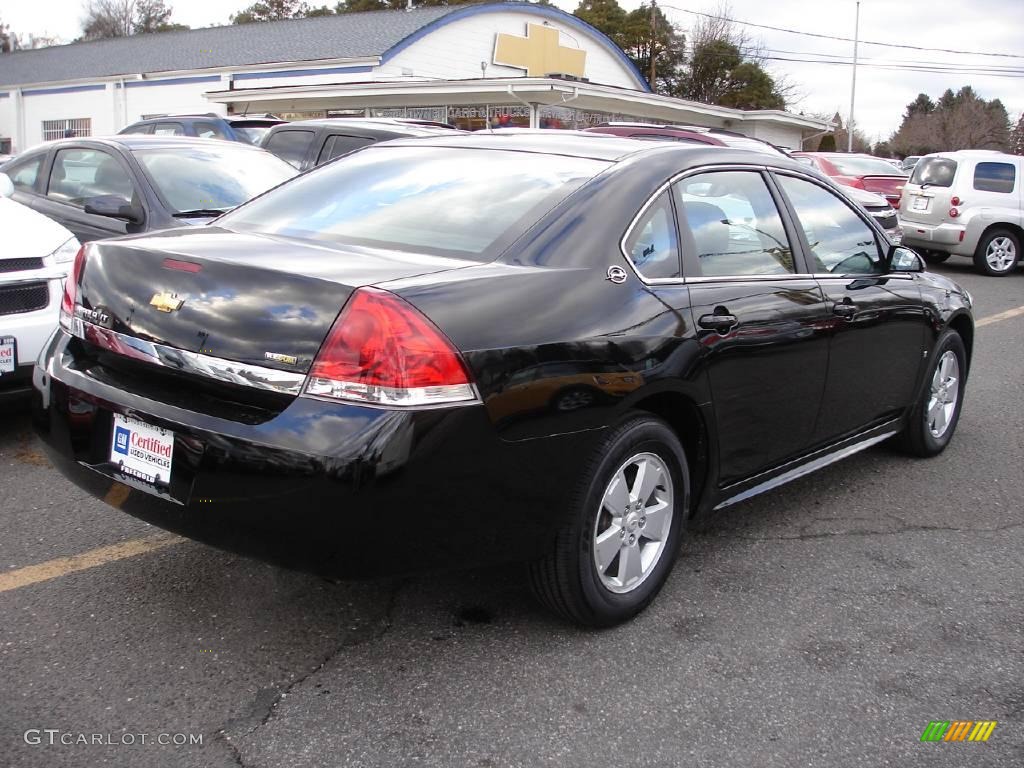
169,129
994,177
840,241
213,177
290,146
81,174
735,224
652,244
24,173
455,201
205,130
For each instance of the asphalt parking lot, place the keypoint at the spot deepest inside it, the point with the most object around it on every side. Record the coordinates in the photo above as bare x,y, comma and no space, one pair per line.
823,624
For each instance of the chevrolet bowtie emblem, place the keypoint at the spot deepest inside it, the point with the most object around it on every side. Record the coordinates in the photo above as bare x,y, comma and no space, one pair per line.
166,302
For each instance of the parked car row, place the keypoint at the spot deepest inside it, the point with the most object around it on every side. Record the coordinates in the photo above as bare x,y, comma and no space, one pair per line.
537,346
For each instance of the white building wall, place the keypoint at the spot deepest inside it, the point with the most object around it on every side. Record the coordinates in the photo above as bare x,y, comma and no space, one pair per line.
786,136
152,98
455,50
8,118
98,105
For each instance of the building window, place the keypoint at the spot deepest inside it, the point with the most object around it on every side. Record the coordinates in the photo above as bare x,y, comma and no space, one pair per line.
64,129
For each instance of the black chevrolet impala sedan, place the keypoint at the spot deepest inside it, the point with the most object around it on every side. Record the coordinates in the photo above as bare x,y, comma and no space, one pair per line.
538,347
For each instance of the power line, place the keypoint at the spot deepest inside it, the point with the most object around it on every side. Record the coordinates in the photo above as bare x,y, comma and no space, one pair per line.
844,39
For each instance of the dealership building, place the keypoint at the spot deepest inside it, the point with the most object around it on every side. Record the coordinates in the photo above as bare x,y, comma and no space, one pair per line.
471,65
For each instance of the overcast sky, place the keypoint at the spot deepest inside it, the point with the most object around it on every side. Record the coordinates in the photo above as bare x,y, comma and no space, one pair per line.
992,26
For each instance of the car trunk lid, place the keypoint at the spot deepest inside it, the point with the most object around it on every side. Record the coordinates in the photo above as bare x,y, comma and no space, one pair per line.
254,300
889,187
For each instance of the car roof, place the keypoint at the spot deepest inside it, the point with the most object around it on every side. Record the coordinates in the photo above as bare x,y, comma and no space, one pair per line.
593,145
132,141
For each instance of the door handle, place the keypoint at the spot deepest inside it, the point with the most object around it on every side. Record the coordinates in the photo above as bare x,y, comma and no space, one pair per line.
845,309
722,323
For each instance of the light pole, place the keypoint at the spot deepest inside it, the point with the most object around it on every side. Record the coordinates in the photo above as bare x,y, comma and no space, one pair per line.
853,85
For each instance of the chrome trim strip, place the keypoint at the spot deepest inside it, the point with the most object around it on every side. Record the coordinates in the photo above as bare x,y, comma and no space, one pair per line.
257,376
806,469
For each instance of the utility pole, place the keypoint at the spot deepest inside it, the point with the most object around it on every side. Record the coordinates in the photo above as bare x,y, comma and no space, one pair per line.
654,38
853,86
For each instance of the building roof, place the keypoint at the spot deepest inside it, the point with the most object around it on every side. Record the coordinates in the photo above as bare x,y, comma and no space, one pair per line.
349,35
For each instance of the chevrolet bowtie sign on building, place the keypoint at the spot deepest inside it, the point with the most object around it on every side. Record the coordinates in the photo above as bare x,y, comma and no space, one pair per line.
540,53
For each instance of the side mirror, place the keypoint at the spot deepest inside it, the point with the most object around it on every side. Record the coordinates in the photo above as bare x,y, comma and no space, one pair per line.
904,260
6,185
115,207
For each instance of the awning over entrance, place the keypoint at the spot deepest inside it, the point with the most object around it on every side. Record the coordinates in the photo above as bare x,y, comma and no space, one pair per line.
532,92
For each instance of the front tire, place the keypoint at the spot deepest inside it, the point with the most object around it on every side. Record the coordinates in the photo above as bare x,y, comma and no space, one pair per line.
933,419
998,253
618,546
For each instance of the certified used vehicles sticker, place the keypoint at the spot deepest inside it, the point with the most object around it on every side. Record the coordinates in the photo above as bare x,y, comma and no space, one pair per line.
142,450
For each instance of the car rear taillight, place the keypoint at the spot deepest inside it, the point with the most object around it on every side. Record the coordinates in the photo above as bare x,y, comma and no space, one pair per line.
67,301
954,212
383,351
955,200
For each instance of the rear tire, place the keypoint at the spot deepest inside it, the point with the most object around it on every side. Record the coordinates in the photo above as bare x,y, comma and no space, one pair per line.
934,257
997,253
933,419
627,514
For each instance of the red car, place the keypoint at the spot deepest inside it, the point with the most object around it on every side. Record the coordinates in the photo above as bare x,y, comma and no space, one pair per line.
862,171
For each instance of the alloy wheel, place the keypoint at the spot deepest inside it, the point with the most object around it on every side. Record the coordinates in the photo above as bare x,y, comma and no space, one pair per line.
1001,254
945,388
633,523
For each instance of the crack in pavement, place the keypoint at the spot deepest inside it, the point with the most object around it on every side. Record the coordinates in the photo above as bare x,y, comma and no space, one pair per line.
268,699
835,534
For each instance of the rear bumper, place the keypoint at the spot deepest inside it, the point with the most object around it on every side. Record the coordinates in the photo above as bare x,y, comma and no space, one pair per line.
945,237
340,490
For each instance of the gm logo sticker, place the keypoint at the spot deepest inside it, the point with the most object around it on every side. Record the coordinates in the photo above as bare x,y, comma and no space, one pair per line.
122,438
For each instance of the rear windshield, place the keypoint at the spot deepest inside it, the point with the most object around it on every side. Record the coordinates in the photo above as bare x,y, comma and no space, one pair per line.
252,133
864,166
450,201
934,171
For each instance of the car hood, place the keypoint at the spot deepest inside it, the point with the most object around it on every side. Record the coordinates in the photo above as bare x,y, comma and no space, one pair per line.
28,233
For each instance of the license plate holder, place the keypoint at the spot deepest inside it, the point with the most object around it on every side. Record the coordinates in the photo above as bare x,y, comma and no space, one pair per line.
8,355
920,203
142,451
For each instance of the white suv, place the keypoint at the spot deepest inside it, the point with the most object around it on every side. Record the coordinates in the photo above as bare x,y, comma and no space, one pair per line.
967,203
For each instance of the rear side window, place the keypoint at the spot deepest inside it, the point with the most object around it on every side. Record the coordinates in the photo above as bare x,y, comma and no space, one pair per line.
934,171
652,244
25,172
290,146
736,227
336,146
140,128
994,177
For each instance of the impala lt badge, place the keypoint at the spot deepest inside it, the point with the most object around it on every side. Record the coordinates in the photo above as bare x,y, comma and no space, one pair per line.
166,302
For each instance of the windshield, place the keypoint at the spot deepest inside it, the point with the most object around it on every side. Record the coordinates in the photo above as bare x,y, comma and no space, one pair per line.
211,178
934,171
451,201
864,166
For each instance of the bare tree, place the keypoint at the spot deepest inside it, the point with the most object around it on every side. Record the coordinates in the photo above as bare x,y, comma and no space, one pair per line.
121,18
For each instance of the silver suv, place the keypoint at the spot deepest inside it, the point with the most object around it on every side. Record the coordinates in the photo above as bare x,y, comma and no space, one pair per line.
966,203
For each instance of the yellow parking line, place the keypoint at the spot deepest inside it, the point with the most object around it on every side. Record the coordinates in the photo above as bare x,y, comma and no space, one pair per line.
1010,313
62,566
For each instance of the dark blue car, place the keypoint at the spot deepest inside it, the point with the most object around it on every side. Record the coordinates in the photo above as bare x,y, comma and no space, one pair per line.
248,129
